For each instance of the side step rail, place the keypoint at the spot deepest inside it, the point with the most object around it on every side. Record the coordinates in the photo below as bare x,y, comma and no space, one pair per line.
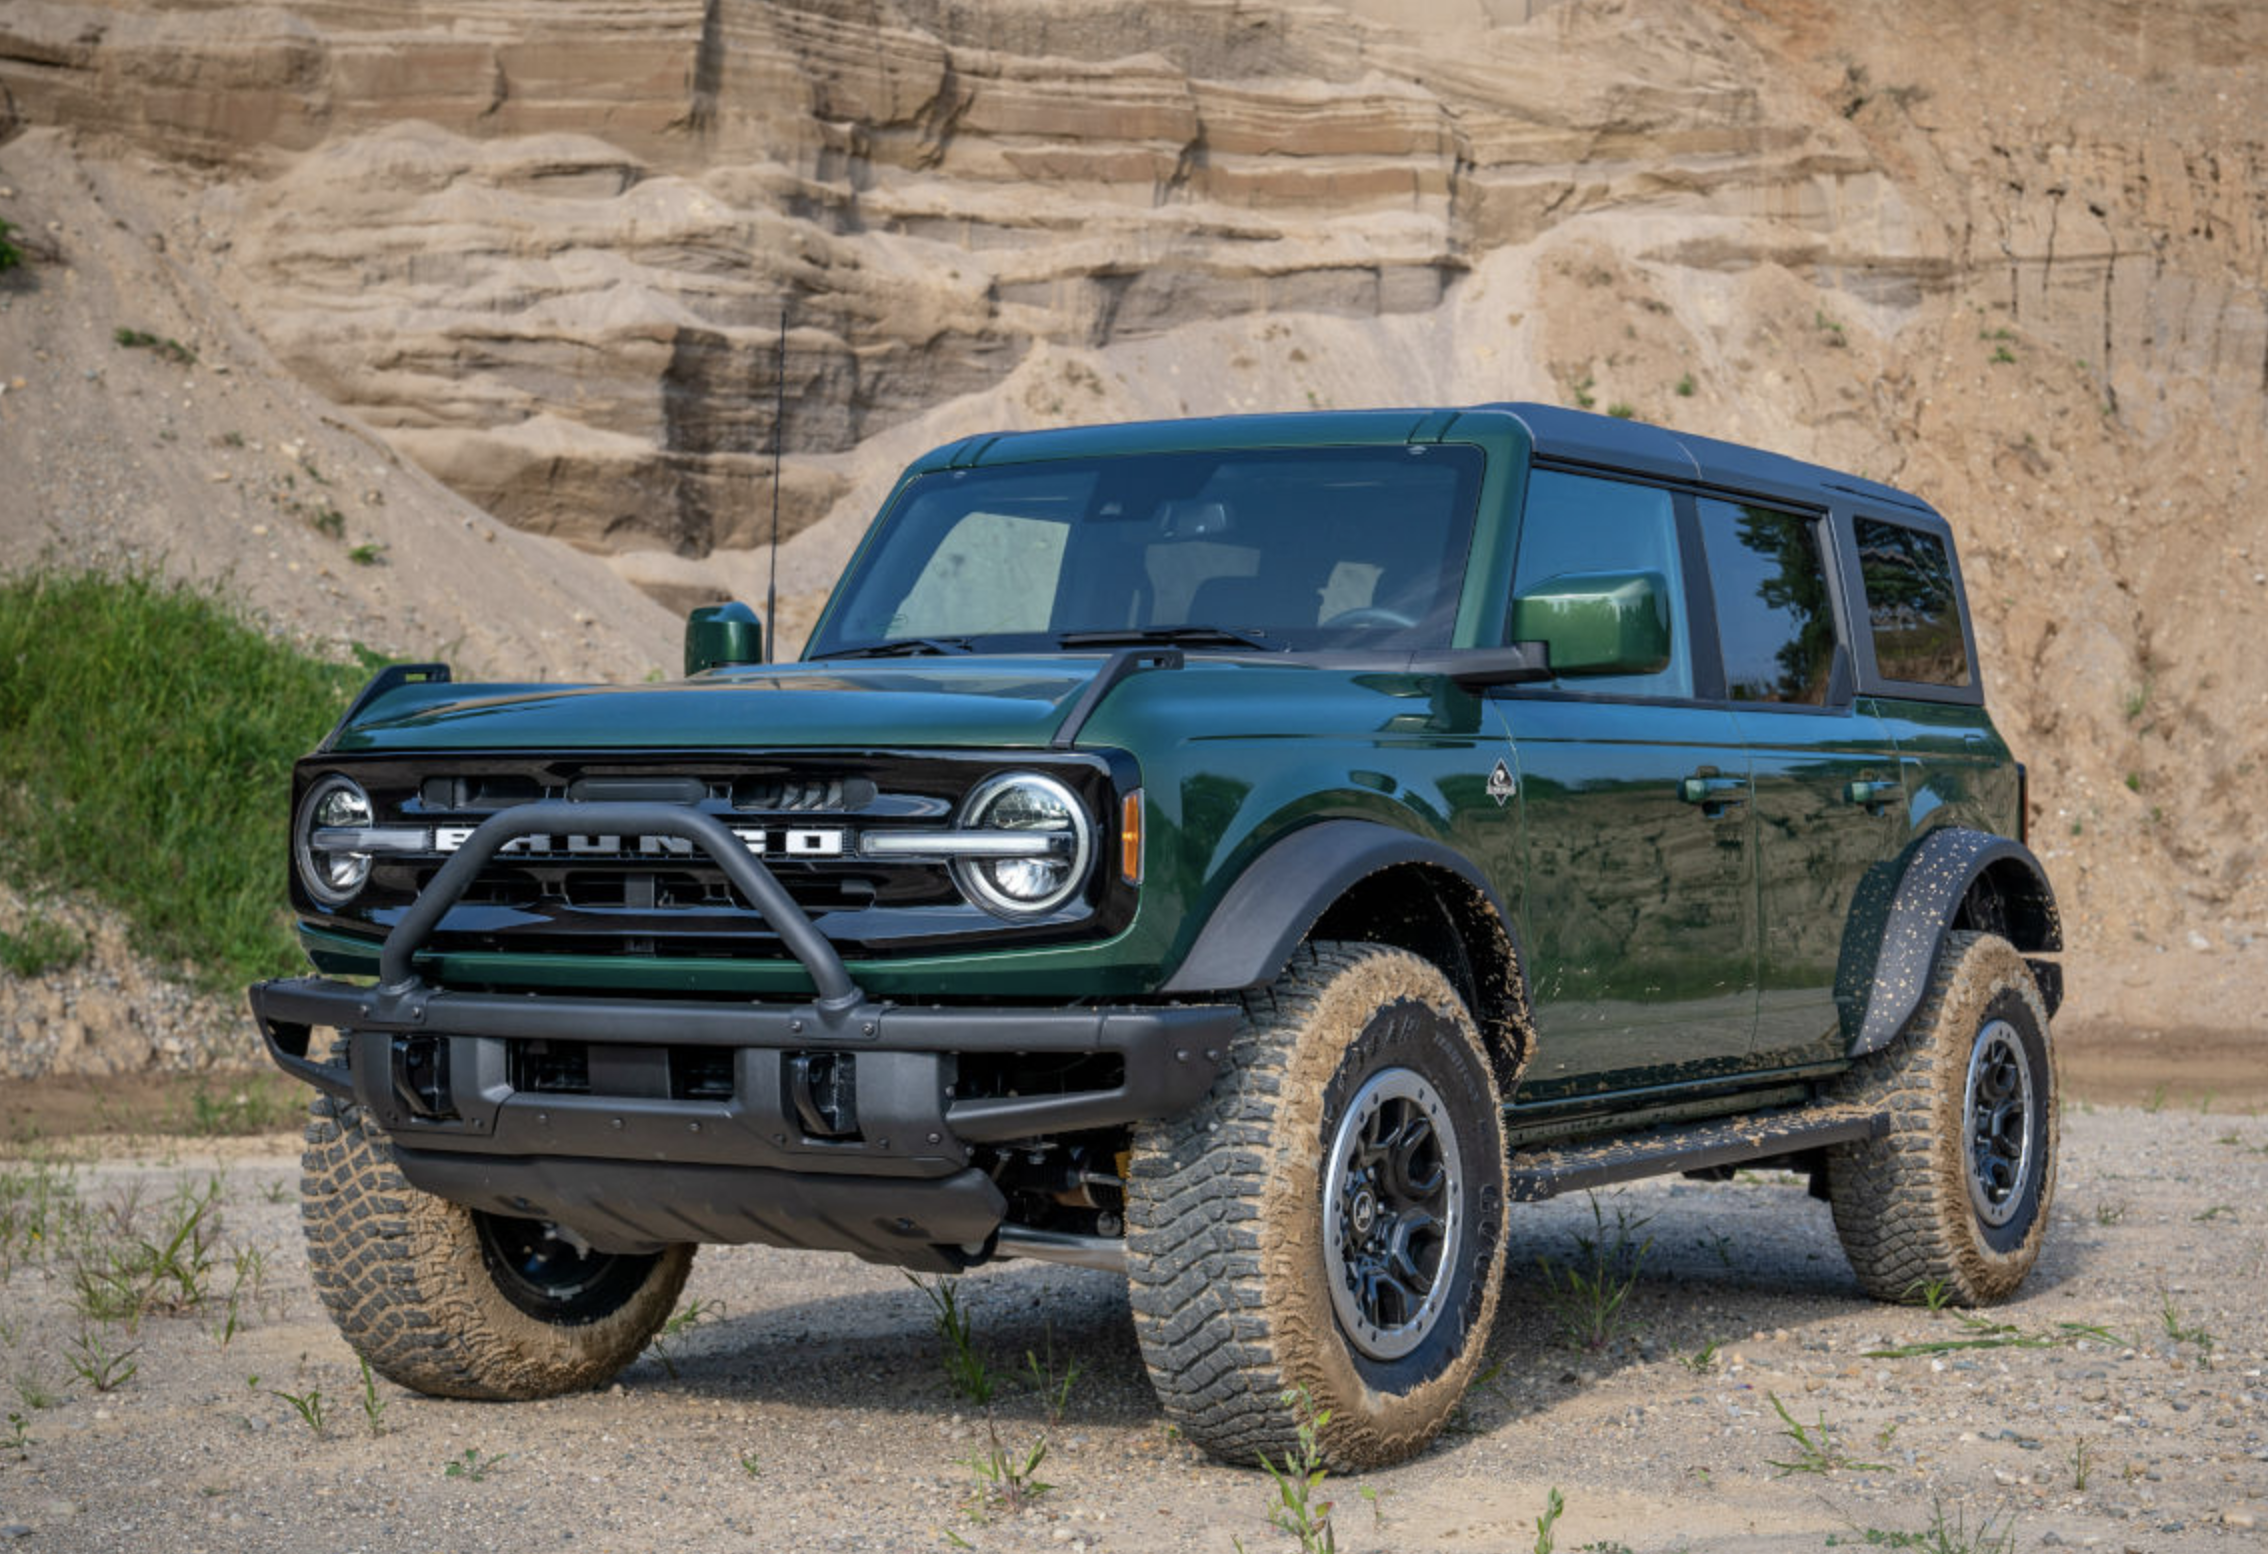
1537,1174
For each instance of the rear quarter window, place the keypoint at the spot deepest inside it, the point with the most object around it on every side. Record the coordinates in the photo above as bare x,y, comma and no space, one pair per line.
1912,608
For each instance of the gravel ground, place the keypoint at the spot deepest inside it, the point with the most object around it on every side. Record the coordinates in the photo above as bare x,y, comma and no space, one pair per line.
808,1410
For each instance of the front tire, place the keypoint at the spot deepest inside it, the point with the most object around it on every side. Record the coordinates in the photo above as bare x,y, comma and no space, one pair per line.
1328,1221
457,1303
1955,1197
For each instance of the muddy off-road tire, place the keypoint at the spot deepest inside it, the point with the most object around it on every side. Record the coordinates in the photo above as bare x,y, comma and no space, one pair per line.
1956,1195
461,1304
1356,1114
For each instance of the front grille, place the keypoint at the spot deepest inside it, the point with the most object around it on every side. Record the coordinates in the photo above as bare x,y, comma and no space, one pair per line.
803,813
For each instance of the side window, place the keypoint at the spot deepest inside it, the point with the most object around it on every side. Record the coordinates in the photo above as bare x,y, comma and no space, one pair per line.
1774,620
991,572
1579,524
1910,605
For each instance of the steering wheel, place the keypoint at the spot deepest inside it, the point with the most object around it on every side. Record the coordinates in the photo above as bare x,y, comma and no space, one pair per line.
1370,615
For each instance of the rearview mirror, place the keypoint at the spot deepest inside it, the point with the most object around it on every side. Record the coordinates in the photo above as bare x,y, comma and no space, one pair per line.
722,634
1598,622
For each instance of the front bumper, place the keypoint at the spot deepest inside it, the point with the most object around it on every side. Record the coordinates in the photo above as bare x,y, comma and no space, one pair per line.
631,1161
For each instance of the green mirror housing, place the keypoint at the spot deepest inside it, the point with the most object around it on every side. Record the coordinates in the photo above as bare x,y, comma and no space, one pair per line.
722,634
1598,622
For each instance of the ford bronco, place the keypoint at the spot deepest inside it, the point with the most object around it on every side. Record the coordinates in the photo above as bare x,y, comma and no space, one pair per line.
1247,854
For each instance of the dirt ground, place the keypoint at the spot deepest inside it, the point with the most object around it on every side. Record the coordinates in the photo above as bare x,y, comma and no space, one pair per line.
2120,1407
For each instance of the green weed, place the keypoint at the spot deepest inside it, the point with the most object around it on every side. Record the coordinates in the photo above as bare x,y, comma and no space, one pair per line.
367,554
1587,1296
2107,1214
1584,399
1052,1386
687,1317
1702,1360
42,945
1931,1293
10,254
2002,356
126,1279
1685,386
18,1439
1816,1449
474,1466
965,1370
751,1464
1553,1507
157,345
1622,410
36,1391
373,1404
1940,1537
1009,1482
308,1405
1298,1479
2182,1332
101,1367
146,741
2081,1459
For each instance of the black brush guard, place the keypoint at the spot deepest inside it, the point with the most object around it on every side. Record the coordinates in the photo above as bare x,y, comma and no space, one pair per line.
633,1165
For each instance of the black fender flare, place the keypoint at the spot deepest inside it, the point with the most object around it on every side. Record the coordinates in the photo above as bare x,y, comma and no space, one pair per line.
1904,908
1282,894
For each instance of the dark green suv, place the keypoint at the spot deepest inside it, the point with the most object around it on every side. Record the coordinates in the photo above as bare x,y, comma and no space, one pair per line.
1250,854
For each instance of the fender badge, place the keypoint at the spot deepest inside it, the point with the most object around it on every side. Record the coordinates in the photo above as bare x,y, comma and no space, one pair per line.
1501,787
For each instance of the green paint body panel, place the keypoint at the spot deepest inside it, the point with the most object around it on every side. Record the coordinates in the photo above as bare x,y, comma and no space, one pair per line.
1680,875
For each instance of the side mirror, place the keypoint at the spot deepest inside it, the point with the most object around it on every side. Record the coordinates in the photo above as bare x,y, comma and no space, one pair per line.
722,634
1598,622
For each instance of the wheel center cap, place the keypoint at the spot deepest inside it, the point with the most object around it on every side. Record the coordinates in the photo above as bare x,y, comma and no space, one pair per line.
1364,1213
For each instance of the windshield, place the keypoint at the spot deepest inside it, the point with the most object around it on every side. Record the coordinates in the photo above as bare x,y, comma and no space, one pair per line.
1284,549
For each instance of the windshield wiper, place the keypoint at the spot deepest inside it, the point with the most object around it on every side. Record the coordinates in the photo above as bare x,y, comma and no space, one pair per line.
1183,636
902,647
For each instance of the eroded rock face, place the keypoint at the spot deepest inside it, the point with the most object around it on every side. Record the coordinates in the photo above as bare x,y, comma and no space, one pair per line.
549,248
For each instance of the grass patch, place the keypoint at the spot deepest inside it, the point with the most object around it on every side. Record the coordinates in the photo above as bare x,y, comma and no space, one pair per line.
10,254
160,345
42,945
146,744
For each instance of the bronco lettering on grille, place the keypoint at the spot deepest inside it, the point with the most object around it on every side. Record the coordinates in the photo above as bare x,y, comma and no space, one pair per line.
766,842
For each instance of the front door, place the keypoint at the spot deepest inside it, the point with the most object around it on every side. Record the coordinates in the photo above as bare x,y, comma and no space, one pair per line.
1639,913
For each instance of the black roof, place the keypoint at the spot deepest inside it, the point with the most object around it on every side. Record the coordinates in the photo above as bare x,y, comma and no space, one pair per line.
1576,437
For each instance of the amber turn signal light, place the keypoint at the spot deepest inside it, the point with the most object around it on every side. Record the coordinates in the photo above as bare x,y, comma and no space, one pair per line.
1130,837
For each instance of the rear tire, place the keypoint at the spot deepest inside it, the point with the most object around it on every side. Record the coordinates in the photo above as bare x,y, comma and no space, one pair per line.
456,1303
1956,1195
1329,1220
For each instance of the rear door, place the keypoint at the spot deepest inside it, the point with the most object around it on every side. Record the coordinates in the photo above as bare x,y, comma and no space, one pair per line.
1639,916
1828,799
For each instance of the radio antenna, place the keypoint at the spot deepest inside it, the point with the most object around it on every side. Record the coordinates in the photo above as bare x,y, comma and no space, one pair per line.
779,426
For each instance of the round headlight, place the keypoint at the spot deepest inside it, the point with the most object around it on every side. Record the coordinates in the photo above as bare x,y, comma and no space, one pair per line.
331,876
1023,804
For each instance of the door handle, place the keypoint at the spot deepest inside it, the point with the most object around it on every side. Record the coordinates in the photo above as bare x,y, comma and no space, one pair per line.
1713,794
1875,794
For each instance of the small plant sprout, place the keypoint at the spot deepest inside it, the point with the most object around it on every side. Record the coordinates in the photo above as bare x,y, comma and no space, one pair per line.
1010,1482
1053,1389
2081,1459
1546,1540
474,1465
99,1366
2108,1214
37,1391
368,554
1622,410
2181,1332
1702,1360
1817,1451
1685,386
686,1318
1931,1294
18,1439
1377,1506
1297,1510
373,1404
308,1406
751,1464
1588,1295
